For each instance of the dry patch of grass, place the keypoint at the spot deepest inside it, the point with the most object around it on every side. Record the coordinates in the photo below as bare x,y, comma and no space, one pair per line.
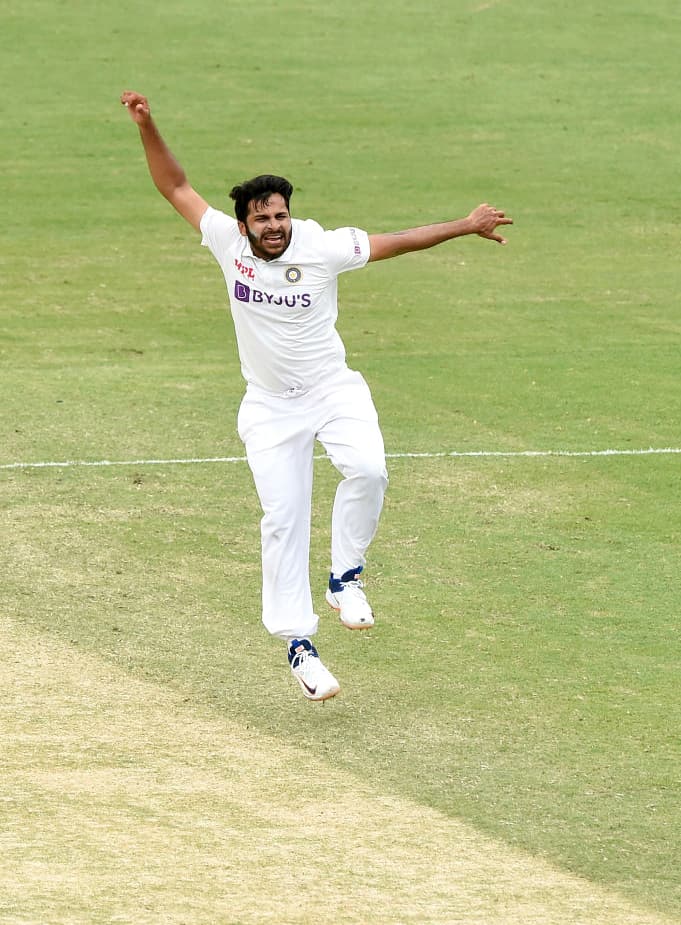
122,802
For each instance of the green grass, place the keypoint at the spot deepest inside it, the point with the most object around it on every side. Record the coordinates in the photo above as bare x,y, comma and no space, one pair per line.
524,678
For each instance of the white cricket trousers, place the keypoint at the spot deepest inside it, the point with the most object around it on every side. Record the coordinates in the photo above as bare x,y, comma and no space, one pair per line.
279,432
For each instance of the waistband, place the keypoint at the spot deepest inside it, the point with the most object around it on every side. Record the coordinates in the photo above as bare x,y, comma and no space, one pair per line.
297,391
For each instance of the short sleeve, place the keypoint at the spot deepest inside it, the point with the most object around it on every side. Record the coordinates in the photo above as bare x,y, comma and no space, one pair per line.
346,249
219,231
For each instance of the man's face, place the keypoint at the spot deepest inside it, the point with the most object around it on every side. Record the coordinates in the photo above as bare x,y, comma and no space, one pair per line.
268,227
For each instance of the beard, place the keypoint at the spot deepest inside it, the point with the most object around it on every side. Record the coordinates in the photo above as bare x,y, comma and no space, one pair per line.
268,246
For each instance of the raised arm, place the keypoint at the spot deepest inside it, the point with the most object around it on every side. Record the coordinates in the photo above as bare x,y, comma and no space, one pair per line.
166,172
482,221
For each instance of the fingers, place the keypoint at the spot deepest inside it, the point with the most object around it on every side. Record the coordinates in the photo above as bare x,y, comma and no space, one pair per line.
136,104
499,216
487,213
490,236
488,218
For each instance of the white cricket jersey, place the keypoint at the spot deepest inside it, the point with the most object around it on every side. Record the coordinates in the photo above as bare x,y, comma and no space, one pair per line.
285,310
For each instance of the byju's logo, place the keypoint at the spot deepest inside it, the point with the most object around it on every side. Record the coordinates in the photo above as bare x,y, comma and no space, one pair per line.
244,293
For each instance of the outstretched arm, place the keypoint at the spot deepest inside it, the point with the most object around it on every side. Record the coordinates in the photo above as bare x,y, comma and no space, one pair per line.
166,172
482,221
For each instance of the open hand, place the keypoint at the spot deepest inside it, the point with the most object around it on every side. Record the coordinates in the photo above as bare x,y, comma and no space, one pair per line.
486,219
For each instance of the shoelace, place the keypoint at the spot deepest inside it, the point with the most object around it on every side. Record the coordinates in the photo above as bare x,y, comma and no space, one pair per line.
355,586
300,662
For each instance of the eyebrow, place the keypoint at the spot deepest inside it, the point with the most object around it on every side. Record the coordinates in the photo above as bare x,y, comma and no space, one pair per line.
260,214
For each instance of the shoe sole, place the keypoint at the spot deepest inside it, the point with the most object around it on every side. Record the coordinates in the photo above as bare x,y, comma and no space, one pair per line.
327,696
351,626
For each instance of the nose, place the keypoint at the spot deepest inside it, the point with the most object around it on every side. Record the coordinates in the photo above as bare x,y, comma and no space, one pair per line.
274,226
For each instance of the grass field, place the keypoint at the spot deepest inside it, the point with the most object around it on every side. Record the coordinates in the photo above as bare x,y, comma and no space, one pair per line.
507,747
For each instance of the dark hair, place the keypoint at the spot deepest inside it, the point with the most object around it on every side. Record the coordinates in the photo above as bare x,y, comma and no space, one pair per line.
258,190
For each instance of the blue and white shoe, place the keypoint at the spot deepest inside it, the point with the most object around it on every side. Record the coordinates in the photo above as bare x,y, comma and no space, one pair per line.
345,595
316,681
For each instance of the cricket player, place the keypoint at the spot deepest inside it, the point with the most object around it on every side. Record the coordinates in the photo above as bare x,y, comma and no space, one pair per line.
281,275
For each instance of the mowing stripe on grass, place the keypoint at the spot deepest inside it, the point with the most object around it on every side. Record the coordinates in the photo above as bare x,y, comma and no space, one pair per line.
123,801
75,463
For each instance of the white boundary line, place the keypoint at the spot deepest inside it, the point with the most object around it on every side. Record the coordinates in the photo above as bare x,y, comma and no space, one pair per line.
510,454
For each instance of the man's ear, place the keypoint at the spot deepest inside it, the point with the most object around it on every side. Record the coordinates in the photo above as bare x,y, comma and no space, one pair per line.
243,229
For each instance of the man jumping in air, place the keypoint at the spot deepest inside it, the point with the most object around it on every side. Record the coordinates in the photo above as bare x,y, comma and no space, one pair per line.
281,275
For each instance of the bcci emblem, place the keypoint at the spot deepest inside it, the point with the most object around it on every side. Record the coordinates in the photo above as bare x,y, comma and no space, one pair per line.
294,274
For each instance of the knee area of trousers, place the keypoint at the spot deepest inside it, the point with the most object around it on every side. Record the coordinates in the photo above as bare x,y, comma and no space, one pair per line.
276,526
373,472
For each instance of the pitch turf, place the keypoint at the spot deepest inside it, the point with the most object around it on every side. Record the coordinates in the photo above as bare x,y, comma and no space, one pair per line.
506,745
141,806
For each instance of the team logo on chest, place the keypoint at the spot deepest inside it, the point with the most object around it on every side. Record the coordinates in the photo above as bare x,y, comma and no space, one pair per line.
293,274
